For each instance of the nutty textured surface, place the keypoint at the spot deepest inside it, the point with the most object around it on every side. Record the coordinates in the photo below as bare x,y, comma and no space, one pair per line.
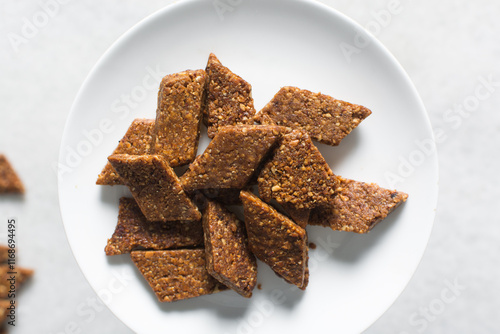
299,216
9,181
229,98
178,117
357,206
21,275
137,141
276,240
176,274
224,196
324,118
297,174
135,231
155,187
231,157
228,256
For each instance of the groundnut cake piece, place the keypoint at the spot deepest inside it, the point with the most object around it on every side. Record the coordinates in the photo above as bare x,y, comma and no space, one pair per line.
324,118
229,98
20,275
176,274
231,158
10,183
178,117
134,231
357,206
297,174
276,240
155,187
137,141
228,257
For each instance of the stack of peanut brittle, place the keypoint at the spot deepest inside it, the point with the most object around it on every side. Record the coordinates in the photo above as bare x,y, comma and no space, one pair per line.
177,227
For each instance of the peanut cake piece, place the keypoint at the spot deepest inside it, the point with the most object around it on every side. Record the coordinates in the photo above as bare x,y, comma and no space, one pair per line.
178,117
297,174
176,274
155,187
135,231
10,183
229,98
6,273
231,157
324,118
229,259
357,206
276,240
137,141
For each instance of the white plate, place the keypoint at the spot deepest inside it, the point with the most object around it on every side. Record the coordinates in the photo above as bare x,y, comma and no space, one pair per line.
354,278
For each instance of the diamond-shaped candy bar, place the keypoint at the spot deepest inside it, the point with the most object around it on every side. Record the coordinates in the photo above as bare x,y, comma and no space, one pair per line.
229,98
155,187
324,118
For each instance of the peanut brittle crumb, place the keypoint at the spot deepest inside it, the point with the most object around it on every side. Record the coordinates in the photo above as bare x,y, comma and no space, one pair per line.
176,274
324,118
155,187
297,174
9,180
21,275
357,206
228,257
137,141
229,98
134,230
178,117
276,240
231,158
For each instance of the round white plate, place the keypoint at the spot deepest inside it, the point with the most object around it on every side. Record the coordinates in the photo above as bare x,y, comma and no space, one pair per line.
354,278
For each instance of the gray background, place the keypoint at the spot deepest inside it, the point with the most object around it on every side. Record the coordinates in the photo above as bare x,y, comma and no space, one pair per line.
449,48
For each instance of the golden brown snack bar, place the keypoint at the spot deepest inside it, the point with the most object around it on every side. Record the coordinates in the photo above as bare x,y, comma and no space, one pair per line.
276,240
10,183
228,256
324,118
229,98
155,187
137,141
176,274
297,174
6,273
231,157
357,206
135,231
178,117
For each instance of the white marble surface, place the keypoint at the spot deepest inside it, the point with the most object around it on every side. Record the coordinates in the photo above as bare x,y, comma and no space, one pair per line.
449,49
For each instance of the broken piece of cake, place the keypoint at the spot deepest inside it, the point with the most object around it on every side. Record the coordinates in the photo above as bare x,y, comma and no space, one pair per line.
176,274
229,98
21,275
228,256
357,206
134,231
324,118
178,117
137,141
155,187
231,158
10,183
297,174
276,240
